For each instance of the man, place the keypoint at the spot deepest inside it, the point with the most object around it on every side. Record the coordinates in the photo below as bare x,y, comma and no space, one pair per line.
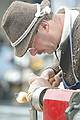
33,27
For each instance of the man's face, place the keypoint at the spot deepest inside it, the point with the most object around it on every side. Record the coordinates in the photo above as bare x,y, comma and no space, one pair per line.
45,40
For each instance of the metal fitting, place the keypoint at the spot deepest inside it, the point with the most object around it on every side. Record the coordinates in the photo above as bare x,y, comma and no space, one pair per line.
36,98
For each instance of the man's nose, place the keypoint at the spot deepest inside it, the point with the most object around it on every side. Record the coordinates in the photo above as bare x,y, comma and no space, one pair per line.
33,51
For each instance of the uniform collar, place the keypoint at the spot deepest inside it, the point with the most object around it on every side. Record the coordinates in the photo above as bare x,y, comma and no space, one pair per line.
66,29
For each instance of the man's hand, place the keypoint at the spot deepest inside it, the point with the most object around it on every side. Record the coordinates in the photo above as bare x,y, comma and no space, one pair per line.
49,75
56,80
48,79
35,83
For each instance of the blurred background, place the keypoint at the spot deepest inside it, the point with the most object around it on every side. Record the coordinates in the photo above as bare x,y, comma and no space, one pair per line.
14,71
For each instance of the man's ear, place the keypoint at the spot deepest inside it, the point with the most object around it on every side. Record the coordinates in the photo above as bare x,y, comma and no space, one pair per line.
44,25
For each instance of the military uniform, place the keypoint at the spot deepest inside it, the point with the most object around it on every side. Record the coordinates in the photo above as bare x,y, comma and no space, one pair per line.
70,57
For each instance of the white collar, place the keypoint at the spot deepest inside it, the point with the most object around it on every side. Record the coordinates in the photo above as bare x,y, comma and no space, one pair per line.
66,29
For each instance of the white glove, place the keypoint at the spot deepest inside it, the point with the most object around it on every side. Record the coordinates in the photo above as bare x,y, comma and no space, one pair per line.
48,73
35,83
22,97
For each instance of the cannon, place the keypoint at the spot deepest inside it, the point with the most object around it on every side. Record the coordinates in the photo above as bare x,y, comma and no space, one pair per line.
58,104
